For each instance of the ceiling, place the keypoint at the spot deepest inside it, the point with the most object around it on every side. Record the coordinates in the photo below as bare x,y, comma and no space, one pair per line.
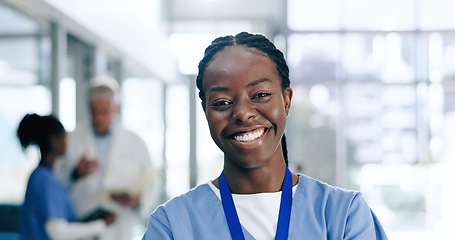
205,15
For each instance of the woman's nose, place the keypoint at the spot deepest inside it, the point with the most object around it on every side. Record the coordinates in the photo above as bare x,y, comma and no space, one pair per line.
243,111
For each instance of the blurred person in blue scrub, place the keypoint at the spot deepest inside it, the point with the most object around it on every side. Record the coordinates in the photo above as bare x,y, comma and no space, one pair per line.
48,211
107,166
245,92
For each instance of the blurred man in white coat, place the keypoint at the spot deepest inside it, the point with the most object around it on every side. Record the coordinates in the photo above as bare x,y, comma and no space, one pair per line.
108,166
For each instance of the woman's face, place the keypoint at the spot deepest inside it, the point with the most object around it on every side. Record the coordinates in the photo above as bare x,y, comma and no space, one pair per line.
245,106
59,144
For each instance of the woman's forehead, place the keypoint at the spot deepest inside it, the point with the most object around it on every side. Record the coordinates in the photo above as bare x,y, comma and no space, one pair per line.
236,50
224,76
237,58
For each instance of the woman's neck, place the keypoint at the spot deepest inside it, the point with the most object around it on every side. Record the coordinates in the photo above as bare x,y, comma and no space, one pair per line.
49,158
247,181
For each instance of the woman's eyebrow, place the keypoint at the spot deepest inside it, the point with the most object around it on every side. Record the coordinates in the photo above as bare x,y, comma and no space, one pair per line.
251,84
254,83
219,89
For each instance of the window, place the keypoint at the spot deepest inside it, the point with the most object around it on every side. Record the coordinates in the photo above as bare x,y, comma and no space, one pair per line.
20,93
374,85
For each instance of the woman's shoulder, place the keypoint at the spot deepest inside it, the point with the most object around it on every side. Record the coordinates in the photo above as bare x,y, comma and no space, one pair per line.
196,214
41,174
41,179
193,200
331,207
333,201
316,189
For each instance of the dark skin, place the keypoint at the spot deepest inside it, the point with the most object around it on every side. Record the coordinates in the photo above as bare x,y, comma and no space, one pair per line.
246,110
58,148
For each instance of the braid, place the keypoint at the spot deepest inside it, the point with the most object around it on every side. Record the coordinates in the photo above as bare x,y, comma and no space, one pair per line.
264,45
216,46
248,40
256,41
285,149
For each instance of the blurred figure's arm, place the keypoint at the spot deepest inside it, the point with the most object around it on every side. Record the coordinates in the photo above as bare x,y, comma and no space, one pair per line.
60,229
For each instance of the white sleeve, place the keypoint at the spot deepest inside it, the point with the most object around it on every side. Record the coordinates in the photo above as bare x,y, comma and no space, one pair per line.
60,229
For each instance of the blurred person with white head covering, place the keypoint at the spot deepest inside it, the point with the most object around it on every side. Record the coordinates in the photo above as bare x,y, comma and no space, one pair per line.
108,166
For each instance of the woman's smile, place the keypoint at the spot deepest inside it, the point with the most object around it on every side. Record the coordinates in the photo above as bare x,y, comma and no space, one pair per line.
249,135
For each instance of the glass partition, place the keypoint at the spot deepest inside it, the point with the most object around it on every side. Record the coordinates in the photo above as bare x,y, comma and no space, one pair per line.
21,66
373,107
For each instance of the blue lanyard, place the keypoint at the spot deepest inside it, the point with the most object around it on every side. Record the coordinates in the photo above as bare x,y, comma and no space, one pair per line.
284,216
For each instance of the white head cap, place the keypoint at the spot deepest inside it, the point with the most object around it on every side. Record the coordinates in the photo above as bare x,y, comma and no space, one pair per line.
104,88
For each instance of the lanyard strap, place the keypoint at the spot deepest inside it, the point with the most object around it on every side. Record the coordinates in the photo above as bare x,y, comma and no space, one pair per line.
284,216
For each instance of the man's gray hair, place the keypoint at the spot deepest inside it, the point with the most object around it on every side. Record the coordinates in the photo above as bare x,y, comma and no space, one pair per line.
104,88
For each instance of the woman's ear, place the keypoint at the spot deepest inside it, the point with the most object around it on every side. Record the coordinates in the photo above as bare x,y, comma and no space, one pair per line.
287,94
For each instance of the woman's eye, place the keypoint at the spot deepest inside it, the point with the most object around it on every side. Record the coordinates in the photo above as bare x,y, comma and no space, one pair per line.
220,104
261,95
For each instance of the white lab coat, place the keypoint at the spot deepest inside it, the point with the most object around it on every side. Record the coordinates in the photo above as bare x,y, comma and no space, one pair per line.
128,168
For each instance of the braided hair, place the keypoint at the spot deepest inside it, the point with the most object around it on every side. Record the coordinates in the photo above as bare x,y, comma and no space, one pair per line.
249,40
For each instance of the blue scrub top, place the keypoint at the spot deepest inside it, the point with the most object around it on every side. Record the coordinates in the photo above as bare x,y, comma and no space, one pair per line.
45,199
319,211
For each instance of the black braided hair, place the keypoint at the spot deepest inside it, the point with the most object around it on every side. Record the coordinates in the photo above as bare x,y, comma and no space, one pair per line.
38,130
249,40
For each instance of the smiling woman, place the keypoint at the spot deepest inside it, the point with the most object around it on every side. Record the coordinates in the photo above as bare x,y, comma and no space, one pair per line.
244,89
246,109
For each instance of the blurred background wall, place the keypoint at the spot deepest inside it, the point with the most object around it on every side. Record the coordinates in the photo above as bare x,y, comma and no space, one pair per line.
373,80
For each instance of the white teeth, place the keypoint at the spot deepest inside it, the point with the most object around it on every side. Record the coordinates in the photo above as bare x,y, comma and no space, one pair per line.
250,136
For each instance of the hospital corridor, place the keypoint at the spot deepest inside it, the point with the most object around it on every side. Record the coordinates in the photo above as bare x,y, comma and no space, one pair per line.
128,127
